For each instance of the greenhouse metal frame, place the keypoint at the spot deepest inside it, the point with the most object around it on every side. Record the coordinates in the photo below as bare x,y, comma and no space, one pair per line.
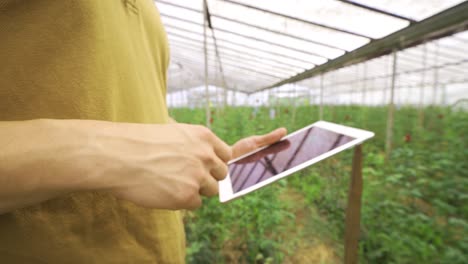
262,68
240,52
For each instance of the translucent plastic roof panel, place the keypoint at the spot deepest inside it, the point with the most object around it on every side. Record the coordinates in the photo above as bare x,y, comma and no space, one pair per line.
182,53
259,43
284,25
417,10
334,14
230,59
462,36
438,79
190,74
295,51
304,46
227,53
223,44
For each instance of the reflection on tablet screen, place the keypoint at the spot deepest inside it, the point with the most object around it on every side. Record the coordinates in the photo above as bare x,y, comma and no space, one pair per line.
283,155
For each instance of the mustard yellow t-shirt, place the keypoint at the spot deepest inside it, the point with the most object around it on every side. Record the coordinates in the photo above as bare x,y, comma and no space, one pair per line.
85,59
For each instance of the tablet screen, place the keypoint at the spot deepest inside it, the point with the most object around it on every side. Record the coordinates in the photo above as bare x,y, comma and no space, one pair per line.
283,155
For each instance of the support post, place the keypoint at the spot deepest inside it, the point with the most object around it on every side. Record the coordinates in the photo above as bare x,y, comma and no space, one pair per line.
225,96
444,95
277,103
364,84
423,83
310,95
271,98
353,210
332,106
391,110
364,90
321,98
354,91
205,52
384,96
234,97
436,75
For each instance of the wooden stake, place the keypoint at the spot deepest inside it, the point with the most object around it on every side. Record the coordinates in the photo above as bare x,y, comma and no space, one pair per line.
391,111
353,210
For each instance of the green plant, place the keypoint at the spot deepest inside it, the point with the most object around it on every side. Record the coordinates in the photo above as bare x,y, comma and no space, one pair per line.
415,207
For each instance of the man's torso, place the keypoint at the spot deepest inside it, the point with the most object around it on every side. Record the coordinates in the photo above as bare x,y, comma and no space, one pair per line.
85,59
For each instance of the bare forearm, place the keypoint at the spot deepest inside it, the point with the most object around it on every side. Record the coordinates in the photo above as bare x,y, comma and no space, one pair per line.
157,166
42,159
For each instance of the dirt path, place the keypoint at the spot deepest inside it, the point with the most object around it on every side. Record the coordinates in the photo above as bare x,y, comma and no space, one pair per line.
311,247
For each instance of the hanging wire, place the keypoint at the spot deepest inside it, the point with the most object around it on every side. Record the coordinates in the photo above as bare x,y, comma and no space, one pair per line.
218,57
205,44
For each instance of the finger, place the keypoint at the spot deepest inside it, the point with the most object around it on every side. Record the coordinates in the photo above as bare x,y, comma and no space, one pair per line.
219,170
194,203
210,187
279,146
275,148
271,137
222,150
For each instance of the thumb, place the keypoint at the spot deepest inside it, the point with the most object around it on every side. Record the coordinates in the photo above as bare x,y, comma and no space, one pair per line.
271,137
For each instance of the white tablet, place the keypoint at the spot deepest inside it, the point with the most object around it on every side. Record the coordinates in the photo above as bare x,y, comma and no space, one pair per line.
292,153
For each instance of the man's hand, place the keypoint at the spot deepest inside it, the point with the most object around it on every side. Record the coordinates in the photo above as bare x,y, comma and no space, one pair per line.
169,166
252,143
159,166
272,149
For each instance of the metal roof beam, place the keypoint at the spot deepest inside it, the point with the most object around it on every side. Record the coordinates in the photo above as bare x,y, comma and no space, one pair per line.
274,44
236,57
441,53
376,10
190,62
245,46
236,60
249,70
275,62
411,86
248,37
298,19
415,62
175,90
445,23
193,61
249,66
234,71
279,33
254,26
399,73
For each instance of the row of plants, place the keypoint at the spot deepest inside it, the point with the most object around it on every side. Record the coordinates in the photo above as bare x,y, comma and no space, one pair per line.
414,205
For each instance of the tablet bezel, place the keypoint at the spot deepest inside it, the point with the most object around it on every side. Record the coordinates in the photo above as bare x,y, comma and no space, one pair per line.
225,187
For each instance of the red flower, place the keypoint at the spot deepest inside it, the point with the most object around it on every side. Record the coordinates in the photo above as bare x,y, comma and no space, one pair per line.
407,137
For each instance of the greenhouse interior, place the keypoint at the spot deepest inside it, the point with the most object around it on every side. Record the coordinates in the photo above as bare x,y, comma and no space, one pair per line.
396,68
